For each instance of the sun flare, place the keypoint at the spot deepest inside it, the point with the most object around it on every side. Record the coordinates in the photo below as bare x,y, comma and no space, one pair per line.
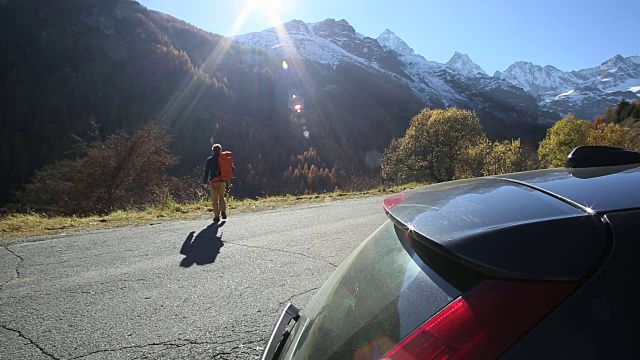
273,9
276,6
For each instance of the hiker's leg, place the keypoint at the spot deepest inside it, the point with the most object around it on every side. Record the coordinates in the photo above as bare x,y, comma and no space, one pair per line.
214,198
223,201
222,204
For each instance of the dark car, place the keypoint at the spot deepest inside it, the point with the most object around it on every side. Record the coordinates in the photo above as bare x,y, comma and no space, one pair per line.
531,265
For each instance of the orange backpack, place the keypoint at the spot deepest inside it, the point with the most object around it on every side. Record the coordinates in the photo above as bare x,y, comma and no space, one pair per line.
225,161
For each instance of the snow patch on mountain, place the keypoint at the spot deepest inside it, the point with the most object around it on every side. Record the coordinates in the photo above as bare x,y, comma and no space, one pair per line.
632,85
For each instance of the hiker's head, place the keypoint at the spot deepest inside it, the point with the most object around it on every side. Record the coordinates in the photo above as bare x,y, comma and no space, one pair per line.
216,148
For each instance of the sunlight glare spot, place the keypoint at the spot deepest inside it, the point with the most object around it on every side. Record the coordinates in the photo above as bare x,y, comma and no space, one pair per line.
286,67
273,9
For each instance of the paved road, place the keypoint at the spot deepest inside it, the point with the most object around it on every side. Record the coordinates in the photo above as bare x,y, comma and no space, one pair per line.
178,290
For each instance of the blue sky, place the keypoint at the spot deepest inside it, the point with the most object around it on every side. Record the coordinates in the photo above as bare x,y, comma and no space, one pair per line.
568,34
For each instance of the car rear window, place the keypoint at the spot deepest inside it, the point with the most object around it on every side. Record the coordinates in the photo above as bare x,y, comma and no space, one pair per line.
378,296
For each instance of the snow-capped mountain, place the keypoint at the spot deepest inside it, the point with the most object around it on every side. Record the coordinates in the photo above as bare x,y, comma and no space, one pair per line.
328,42
585,93
616,74
389,40
509,104
462,63
620,74
536,79
505,109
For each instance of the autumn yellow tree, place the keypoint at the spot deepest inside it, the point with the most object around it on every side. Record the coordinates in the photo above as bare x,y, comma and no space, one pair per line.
571,132
434,147
508,156
610,134
561,138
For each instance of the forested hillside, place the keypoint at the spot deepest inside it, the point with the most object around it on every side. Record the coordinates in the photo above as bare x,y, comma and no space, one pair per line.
67,64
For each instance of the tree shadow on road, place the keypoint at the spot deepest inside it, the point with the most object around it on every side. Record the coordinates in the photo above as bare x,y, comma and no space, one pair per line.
203,248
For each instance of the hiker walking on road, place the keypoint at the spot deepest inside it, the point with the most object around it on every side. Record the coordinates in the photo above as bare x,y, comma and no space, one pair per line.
217,174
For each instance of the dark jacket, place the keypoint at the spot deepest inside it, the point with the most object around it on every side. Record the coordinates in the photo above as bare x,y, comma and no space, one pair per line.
212,169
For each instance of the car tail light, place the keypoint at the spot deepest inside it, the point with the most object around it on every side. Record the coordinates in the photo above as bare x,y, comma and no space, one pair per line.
484,322
393,200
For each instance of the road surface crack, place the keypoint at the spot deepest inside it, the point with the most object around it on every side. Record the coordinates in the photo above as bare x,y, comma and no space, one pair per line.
22,336
15,268
300,294
280,250
172,344
244,348
175,344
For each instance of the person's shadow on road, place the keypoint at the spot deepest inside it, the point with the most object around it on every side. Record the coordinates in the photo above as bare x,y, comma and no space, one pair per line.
203,248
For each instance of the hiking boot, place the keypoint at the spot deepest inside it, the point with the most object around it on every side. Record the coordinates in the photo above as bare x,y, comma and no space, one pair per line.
224,214
216,219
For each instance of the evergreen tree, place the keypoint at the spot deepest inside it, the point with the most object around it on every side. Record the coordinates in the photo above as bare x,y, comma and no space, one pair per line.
620,108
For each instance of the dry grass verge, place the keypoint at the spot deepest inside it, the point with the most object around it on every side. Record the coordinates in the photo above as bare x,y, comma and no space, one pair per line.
27,225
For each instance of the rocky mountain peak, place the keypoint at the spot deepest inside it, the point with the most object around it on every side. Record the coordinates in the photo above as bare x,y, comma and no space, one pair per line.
617,63
342,34
296,26
463,63
330,28
390,41
536,79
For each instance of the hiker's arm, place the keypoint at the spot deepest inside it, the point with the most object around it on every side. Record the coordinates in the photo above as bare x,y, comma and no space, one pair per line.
206,172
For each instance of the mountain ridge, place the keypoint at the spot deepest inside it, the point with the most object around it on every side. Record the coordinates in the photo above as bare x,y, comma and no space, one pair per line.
511,114
589,89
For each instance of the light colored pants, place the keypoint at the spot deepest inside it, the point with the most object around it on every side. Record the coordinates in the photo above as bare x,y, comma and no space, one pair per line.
218,189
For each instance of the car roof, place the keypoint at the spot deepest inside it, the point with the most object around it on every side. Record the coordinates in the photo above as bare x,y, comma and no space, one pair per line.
511,224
